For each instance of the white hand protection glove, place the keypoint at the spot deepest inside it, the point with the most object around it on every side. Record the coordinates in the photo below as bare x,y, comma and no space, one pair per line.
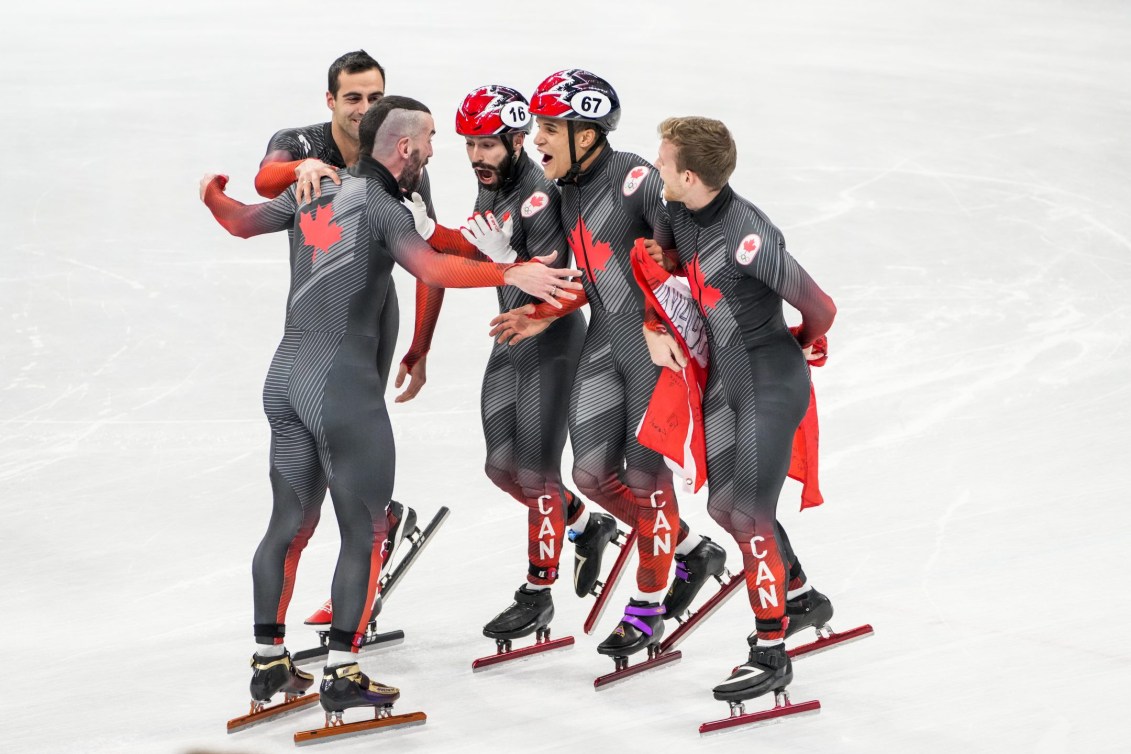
425,225
484,232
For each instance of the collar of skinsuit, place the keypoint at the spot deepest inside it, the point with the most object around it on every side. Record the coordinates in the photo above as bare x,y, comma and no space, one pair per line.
367,167
708,215
584,176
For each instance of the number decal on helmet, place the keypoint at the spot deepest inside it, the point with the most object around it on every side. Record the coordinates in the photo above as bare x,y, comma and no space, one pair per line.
515,115
590,104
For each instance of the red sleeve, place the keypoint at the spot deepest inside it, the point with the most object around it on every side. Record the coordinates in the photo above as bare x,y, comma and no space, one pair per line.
452,242
544,310
274,178
428,303
247,220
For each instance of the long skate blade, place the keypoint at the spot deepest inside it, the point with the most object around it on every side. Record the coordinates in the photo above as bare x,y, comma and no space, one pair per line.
379,641
338,732
517,654
767,717
826,643
417,546
273,712
659,661
709,608
611,582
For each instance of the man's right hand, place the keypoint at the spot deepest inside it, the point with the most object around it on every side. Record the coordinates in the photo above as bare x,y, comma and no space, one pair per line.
664,350
425,225
309,175
515,326
546,283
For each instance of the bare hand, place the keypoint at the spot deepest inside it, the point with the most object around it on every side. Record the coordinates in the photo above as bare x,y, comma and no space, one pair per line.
664,350
657,253
309,175
546,283
222,181
417,376
515,326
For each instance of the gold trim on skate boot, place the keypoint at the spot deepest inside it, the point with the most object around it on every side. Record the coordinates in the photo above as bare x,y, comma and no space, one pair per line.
353,673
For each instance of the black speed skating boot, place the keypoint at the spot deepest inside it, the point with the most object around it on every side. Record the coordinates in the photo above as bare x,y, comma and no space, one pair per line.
345,686
811,609
642,626
692,571
531,610
767,669
402,522
270,675
588,547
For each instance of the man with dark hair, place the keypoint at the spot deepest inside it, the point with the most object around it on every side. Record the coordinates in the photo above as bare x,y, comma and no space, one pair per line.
609,199
526,388
757,392
356,82
324,395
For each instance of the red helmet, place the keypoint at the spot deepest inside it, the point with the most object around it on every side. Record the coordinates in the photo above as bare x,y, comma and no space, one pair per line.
577,95
491,111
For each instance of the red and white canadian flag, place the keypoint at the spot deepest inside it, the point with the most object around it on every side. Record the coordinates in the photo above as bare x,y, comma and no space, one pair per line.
672,424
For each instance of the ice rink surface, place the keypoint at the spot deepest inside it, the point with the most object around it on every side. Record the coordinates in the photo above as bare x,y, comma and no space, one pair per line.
951,173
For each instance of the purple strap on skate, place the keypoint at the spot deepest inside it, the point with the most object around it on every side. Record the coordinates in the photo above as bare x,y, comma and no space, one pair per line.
632,611
681,571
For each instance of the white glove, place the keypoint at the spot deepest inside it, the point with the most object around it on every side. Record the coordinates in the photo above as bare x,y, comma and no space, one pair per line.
425,225
484,232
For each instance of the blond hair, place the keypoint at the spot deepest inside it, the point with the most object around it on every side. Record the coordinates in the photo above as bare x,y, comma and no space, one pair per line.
704,146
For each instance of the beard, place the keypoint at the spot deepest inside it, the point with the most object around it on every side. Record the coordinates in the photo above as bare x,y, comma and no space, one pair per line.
496,175
413,172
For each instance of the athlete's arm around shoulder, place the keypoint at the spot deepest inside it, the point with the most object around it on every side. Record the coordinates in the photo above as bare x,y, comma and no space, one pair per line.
246,220
288,160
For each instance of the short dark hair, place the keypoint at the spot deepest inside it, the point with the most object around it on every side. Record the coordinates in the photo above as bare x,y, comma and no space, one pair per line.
357,61
376,115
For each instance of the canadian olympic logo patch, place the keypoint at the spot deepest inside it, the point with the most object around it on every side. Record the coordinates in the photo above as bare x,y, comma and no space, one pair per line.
633,180
748,249
534,204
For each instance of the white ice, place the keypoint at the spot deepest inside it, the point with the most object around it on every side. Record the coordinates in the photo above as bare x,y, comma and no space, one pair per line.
952,173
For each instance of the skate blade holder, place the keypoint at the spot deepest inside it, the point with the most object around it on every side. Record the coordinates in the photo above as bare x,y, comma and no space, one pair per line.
620,539
739,718
335,729
827,638
505,653
261,712
657,659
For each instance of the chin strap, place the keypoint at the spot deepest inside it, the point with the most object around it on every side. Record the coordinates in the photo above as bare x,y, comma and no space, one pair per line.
574,160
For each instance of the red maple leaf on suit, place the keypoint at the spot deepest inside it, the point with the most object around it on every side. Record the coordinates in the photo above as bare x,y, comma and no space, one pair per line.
592,255
750,244
708,296
536,201
637,173
319,231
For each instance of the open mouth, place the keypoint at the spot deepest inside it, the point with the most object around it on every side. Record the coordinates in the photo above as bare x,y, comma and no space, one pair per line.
547,159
